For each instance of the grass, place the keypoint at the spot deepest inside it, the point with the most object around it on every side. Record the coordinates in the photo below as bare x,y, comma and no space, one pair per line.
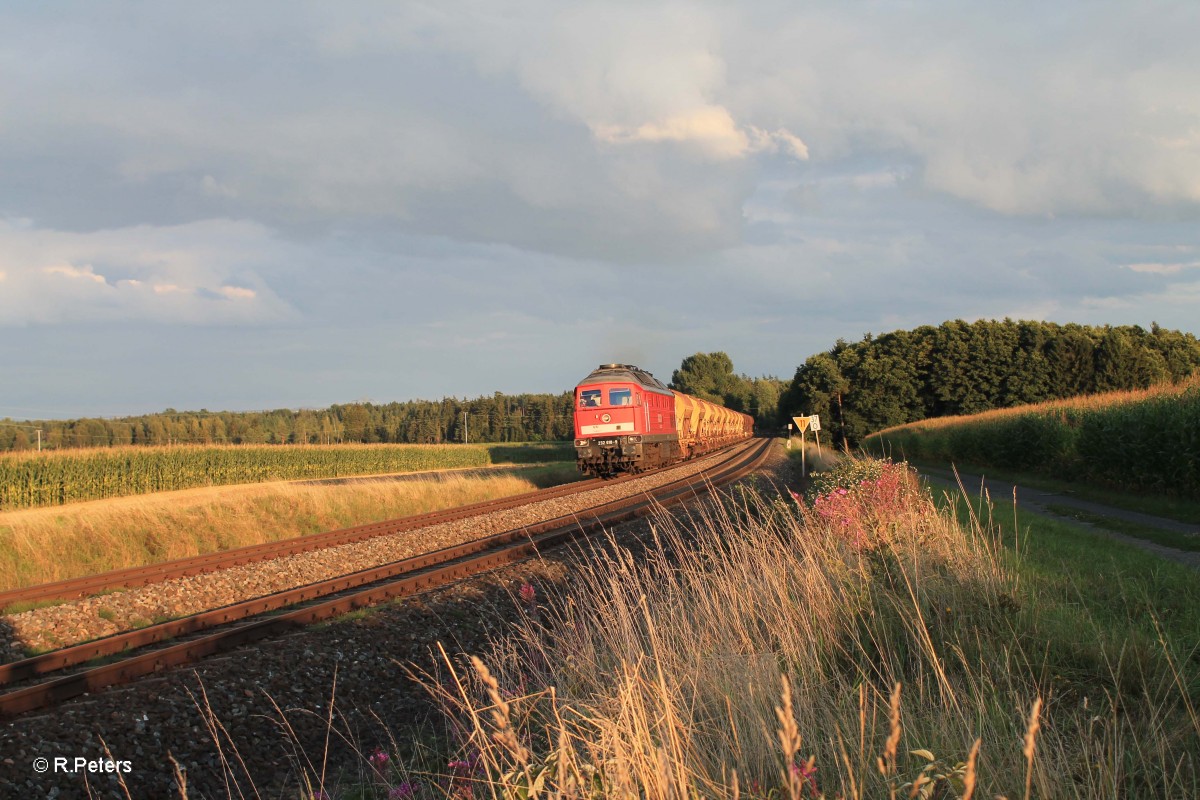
1181,509
1096,601
1177,539
871,644
868,642
41,545
30,605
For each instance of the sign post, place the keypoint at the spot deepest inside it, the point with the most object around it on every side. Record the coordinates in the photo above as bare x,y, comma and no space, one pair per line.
815,425
789,436
802,423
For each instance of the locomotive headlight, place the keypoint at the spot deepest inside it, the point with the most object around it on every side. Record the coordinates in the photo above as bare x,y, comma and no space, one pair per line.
606,418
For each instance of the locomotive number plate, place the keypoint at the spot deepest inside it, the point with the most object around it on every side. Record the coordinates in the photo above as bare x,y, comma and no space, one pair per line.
606,442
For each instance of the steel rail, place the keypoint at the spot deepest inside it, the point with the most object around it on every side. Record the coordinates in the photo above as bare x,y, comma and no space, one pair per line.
398,579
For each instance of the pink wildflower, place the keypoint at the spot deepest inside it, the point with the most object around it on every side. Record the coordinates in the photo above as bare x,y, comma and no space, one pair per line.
378,760
807,772
528,593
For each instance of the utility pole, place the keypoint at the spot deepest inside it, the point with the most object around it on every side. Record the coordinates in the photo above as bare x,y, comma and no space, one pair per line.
464,427
39,433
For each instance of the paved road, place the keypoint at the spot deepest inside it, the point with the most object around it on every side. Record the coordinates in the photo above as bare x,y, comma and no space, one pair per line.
1037,500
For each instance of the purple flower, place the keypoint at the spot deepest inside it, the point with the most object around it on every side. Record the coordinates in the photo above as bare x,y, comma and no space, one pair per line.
378,759
528,593
404,791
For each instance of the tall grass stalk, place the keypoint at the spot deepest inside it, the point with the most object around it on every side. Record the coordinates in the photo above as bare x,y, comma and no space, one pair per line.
910,664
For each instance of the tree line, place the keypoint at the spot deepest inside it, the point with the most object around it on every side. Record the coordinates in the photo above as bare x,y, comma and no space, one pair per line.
965,368
499,418
857,388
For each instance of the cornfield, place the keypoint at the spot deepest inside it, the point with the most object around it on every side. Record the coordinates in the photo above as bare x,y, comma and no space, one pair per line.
31,480
1142,441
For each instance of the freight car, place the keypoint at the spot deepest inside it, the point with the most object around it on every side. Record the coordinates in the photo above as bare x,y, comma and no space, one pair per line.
626,420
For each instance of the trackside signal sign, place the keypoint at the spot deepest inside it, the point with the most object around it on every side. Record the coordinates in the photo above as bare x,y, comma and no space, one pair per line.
812,423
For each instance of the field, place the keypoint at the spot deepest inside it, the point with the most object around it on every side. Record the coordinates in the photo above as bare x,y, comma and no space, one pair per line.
865,642
1146,441
33,480
47,544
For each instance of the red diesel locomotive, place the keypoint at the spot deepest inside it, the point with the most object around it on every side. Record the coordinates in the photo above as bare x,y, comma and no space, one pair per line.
626,420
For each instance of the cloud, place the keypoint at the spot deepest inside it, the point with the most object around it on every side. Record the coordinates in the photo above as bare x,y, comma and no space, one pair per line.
203,273
712,129
238,293
1159,268
85,272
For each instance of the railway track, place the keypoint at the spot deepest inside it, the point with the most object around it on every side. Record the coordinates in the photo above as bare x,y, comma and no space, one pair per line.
272,615
131,577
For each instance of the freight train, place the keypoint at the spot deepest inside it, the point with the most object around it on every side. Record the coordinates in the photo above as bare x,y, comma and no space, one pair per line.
626,420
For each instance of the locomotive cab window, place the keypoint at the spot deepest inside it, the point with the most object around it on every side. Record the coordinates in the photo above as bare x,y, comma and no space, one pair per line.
589,397
619,397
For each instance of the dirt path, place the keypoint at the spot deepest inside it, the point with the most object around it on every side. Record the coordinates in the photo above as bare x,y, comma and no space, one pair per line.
1039,500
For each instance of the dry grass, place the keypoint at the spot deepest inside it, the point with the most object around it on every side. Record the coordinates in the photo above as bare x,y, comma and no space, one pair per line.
48,544
907,671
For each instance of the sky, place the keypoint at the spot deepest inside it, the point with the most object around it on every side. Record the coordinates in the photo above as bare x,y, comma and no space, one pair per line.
242,206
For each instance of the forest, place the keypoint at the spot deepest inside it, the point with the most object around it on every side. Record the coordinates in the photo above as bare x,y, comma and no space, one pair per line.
965,368
499,418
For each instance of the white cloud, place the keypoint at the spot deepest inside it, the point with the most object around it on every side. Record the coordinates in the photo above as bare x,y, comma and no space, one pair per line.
712,129
1160,268
85,272
238,293
203,273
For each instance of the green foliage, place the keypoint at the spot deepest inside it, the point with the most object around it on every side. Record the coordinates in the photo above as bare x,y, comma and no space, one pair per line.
32,480
846,474
1147,445
499,418
710,376
966,368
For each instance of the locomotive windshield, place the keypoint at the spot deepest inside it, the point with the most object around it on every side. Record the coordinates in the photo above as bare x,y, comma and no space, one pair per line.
589,397
619,397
